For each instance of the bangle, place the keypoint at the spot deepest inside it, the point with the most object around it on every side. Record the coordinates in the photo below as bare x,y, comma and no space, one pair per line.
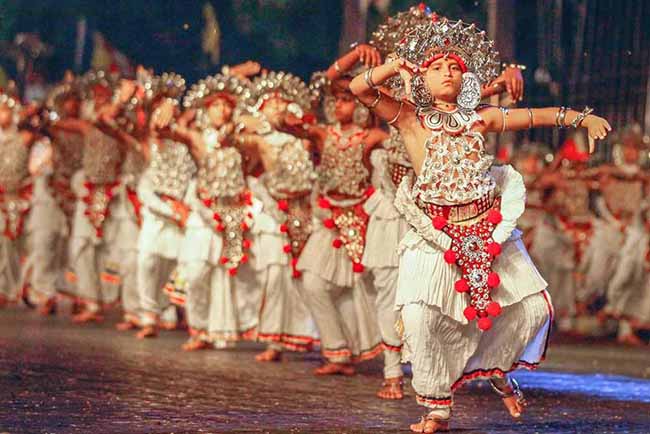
368,78
581,117
530,118
337,67
560,117
504,115
399,112
374,104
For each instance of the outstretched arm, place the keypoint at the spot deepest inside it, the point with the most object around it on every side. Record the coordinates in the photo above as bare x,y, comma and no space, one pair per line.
499,119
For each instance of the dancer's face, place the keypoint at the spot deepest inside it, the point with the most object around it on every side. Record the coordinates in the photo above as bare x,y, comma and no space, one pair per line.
71,107
220,112
5,116
344,106
274,109
630,153
443,78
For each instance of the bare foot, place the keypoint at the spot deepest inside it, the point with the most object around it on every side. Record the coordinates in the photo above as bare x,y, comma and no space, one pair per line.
512,396
3,301
87,317
391,388
630,339
48,308
168,325
196,344
430,425
335,369
270,355
148,331
125,326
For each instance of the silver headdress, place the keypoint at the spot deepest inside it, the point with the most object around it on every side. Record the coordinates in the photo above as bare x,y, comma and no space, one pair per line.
457,37
93,78
165,85
286,85
58,95
13,103
395,28
212,85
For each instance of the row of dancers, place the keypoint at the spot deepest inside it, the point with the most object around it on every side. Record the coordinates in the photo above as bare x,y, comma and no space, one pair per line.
360,213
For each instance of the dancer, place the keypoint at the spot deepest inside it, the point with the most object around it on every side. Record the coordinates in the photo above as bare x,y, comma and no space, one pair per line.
332,260
284,223
463,238
53,202
95,186
162,190
214,279
16,187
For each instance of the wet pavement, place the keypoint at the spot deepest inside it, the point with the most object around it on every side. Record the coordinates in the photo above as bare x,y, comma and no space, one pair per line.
60,378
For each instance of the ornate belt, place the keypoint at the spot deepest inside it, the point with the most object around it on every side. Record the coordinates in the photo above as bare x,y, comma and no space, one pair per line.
462,213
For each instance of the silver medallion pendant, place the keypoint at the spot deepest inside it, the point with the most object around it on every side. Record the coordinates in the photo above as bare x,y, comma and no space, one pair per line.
470,92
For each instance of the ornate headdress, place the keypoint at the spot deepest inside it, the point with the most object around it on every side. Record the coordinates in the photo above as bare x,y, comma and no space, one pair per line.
91,80
10,98
470,47
395,28
283,84
203,91
166,85
476,51
322,96
58,95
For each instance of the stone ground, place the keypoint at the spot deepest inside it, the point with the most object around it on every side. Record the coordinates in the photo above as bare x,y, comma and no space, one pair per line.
59,378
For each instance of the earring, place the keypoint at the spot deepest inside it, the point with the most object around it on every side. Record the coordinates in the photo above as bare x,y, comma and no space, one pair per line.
361,115
470,92
420,93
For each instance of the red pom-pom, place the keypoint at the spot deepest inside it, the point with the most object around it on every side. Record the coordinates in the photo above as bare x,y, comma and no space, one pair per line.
216,217
369,191
246,244
324,203
224,260
233,271
357,267
87,185
470,313
439,222
86,212
221,227
244,259
296,274
283,205
244,226
99,233
287,248
450,256
207,202
493,280
329,223
294,262
493,309
494,249
494,217
337,243
485,324
461,285
284,228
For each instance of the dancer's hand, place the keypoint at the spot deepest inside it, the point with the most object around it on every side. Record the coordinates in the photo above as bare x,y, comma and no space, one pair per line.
368,55
597,129
514,82
246,69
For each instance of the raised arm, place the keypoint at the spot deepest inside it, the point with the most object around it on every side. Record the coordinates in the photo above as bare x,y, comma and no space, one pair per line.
363,53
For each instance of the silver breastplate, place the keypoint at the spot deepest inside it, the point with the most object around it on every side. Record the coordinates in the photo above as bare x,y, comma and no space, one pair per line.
14,163
171,168
342,169
220,174
102,158
456,167
293,171
67,156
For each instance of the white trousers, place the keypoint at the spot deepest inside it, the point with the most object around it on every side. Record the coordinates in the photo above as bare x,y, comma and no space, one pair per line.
152,274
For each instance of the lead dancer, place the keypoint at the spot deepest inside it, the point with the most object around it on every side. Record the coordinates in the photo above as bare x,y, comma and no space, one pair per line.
386,226
463,260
